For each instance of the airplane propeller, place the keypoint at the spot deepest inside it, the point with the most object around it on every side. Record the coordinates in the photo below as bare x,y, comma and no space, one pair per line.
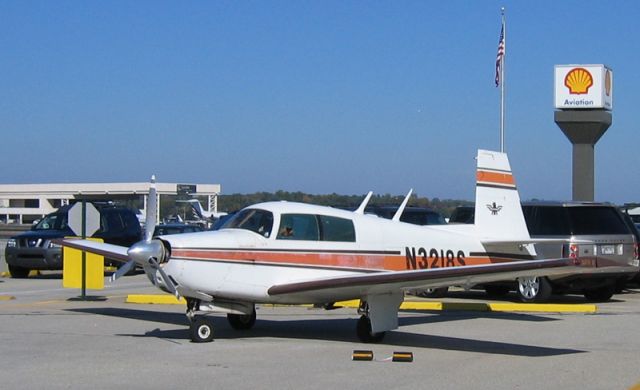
149,252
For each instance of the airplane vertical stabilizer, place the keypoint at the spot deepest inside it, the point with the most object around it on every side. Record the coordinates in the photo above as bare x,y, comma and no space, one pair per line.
498,213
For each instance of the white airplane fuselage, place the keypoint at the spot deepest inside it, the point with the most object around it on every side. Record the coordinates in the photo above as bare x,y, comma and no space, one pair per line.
242,265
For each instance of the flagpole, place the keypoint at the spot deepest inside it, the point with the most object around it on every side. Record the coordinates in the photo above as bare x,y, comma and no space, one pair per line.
502,82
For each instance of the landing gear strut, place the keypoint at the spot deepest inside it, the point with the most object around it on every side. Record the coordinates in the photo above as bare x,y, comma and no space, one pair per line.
363,328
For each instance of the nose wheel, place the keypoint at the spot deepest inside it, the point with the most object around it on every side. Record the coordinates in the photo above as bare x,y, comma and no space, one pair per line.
201,330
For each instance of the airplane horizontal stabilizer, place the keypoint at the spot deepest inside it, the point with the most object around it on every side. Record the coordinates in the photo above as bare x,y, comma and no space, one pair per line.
535,241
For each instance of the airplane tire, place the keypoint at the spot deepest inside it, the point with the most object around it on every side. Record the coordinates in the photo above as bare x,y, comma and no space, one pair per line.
201,330
242,321
363,329
534,289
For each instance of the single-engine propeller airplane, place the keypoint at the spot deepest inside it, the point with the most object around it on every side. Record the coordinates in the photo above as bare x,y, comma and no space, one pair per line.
294,253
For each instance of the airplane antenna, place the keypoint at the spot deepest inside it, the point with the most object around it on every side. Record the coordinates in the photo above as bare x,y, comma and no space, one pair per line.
364,203
396,216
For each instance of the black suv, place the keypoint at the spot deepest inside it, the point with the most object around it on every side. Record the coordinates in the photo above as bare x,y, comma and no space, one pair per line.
35,250
413,215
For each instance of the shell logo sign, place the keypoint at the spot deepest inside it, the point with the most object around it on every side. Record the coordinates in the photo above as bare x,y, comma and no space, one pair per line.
578,80
583,87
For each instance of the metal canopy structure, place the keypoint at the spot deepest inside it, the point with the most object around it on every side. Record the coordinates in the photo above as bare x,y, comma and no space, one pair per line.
23,203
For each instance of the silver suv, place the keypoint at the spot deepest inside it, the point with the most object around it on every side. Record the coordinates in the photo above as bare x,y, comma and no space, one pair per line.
597,230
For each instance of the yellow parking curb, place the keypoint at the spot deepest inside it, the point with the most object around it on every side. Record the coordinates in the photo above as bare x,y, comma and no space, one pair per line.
544,307
155,299
497,307
165,299
7,297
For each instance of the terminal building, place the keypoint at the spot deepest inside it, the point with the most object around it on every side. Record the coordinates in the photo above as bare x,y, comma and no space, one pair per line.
26,203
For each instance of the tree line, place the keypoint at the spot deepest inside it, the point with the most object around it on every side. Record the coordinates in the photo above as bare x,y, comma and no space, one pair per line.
235,202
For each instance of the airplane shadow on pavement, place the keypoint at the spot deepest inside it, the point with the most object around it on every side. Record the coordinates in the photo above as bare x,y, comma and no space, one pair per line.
339,329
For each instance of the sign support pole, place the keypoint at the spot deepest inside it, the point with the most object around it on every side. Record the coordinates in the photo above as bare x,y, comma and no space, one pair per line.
84,254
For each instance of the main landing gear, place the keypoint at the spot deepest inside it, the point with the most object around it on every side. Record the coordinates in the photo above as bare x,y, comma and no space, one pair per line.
363,327
201,323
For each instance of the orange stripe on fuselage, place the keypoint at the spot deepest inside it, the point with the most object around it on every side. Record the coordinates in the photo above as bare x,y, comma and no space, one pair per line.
495,177
367,261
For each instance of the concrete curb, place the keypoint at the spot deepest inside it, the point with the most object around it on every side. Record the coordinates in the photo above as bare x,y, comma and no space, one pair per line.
411,305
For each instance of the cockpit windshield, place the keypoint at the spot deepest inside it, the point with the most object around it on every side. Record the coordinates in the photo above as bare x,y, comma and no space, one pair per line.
256,220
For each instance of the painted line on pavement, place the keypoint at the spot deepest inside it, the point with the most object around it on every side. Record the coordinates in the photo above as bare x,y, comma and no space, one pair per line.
161,299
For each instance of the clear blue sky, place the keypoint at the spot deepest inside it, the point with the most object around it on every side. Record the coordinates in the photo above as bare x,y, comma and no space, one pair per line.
312,96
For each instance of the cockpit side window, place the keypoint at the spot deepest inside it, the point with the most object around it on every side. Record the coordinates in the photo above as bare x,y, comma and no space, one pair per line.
337,229
298,227
312,227
256,220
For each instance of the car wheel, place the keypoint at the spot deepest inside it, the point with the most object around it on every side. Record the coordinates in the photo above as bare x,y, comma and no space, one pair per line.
439,292
600,294
496,291
534,289
18,272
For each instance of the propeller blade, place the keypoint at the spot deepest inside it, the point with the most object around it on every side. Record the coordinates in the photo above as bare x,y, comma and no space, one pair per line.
128,266
153,262
152,204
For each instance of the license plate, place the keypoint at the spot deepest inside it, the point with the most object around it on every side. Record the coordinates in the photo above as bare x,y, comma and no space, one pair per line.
608,249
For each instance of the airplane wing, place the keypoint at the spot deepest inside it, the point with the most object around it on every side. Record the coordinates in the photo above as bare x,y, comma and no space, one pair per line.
355,286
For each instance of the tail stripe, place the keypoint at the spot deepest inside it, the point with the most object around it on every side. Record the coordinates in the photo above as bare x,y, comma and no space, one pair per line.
500,179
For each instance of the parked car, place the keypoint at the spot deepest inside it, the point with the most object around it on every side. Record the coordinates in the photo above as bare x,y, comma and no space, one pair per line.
35,249
176,228
610,240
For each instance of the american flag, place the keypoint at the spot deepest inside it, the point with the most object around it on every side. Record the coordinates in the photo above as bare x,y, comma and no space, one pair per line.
500,56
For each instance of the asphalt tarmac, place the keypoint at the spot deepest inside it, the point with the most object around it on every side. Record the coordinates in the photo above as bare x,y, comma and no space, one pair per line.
49,340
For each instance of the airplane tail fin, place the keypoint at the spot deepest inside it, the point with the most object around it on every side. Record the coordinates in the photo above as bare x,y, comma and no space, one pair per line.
498,213
197,207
